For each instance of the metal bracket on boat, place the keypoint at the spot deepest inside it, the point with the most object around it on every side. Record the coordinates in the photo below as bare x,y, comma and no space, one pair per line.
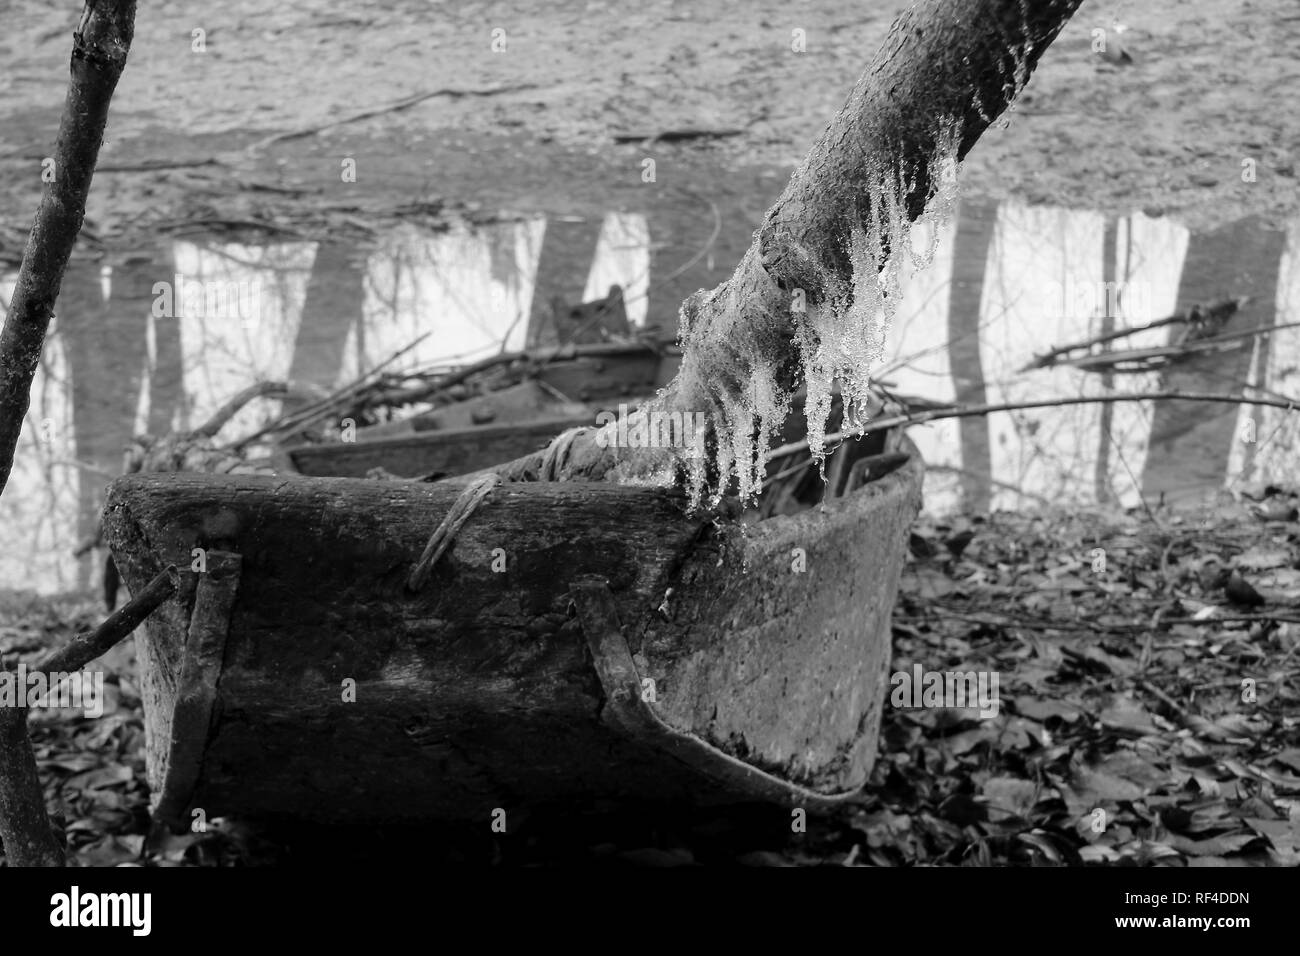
196,691
626,709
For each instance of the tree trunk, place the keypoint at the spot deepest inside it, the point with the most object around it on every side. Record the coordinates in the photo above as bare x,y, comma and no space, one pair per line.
99,52
946,71
98,55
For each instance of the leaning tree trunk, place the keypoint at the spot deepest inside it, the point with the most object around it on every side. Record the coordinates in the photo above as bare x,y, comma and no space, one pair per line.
814,294
99,51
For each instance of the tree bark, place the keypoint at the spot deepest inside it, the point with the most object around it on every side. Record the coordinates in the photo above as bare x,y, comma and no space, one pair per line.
946,65
99,52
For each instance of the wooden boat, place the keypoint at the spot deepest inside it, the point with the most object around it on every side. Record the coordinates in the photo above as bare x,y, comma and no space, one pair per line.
578,641
456,451
562,389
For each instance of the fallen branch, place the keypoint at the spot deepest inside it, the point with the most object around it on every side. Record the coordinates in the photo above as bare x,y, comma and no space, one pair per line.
304,416
368,392
24,827
152,166
676,135
1110,361
955,411
232,407
381,110
537,358
1231,618
1219,311
1160,623
87,646
1193,722
204,225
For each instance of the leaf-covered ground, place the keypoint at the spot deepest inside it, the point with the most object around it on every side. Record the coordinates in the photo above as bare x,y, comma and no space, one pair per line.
1148,687
1149,684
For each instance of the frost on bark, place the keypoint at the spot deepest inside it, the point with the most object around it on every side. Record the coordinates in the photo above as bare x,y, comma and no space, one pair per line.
812,300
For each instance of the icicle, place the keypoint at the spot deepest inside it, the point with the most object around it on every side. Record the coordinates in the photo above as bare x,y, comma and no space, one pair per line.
839,338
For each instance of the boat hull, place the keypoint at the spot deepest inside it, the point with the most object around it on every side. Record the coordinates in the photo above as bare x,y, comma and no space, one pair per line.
452,452
327,690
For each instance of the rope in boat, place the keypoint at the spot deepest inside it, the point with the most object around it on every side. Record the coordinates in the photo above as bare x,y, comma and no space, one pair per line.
556,453
445,535
552,462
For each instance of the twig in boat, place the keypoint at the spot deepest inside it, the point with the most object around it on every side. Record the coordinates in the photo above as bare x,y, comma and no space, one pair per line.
537,359
554,392
381,110
303,416
445,534
229,410
443,382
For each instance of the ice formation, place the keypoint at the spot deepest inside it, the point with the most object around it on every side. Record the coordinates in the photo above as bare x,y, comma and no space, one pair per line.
732,364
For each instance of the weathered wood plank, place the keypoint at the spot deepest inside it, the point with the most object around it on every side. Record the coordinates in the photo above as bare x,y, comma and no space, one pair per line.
451,452
481,676
517,404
